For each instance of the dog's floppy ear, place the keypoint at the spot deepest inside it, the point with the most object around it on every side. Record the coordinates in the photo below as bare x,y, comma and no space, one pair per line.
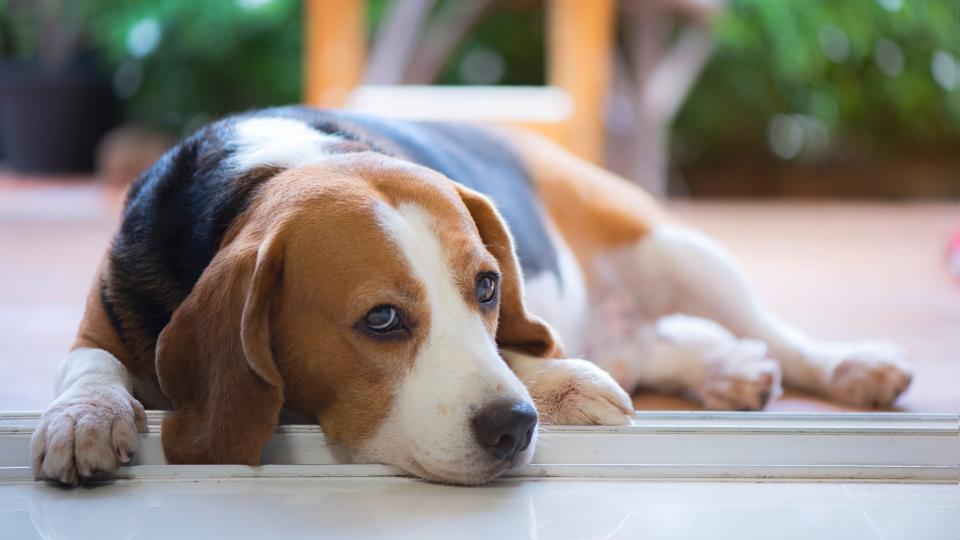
214,359
517,328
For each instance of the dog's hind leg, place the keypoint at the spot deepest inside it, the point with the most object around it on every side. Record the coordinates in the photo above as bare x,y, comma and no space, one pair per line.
694,357
676,270
625,239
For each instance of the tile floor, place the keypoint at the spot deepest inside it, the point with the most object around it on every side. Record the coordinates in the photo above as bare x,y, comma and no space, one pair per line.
361,508
839,270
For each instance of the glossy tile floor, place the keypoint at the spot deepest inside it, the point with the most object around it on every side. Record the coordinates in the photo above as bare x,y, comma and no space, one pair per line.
361,508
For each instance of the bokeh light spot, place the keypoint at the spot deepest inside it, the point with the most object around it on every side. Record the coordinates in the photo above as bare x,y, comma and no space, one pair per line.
945,68
888,57
890,5
785,135
144,36
834,43
482,66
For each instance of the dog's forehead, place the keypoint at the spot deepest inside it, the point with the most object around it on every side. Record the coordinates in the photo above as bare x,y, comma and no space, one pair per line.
363,223
365,200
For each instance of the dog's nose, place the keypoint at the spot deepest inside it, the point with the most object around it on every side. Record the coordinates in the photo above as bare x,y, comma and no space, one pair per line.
505,428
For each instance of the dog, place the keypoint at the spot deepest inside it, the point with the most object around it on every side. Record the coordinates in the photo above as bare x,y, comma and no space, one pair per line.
423,291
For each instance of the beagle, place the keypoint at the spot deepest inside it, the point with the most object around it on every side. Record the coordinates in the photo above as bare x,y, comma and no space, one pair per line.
423,291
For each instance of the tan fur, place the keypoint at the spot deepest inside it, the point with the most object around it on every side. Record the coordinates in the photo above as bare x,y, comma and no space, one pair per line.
95,330
214,360
518,330
339,265
595,210
270,321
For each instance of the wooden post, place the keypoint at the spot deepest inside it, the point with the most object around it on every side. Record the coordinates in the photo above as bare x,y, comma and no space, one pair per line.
580,40
334,50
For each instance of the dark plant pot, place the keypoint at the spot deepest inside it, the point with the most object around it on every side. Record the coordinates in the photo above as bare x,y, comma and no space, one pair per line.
5,67
3,153
51,122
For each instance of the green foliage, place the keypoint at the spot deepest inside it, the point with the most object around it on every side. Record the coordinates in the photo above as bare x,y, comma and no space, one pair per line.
18,31
516,33
213,56
219,56
771,60
512,29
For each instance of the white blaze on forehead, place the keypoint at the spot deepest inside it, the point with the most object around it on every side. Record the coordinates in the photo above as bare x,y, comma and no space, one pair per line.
277,142
458,369
414,232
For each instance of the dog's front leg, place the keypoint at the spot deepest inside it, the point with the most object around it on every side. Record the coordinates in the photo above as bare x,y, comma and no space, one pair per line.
91,427
572,391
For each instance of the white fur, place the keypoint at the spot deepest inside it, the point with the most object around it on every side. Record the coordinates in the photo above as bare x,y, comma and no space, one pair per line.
277,142
677,270
698,357
458,371
92,425
571,391
561,303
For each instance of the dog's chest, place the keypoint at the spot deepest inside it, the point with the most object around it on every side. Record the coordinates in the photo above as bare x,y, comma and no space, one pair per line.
560,298
597,320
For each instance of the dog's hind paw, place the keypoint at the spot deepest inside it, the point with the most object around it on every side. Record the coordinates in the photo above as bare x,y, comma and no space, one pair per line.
869,374
739,377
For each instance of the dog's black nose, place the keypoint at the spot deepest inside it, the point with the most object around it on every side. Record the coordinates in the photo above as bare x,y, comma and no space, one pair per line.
505,428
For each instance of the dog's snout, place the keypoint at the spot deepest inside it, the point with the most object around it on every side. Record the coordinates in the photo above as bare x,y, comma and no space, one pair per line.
505,428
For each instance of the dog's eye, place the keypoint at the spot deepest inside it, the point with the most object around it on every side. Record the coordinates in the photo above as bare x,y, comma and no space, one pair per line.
486,287
383,319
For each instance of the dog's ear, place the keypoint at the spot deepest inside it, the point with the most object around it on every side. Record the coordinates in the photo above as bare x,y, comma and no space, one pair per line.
517,328
214,358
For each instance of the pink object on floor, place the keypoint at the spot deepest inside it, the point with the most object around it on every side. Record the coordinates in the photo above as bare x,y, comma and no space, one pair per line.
953,253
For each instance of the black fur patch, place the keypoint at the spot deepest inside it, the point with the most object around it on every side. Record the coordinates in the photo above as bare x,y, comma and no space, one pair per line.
175,218
177,213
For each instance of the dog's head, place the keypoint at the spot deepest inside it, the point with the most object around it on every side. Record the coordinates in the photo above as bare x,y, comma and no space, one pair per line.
372,294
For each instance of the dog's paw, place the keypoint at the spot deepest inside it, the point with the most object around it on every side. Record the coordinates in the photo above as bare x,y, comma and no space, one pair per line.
86,437
739,377
576,392
869,374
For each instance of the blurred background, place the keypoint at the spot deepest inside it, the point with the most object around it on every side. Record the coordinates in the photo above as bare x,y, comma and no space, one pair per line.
819,139
751,95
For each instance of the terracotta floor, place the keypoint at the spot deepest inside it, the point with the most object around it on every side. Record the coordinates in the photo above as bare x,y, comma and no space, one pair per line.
838,270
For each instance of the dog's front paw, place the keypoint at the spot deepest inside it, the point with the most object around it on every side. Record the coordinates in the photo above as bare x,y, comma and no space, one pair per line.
739,377
576,392
83,437
870,374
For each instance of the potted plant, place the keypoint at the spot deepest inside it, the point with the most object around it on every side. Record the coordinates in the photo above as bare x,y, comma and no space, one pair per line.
55,103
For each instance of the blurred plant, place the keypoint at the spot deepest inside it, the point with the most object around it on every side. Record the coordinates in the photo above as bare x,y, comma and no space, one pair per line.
798,78
177,63
180,62
821,78
48,32
511,37
461,42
